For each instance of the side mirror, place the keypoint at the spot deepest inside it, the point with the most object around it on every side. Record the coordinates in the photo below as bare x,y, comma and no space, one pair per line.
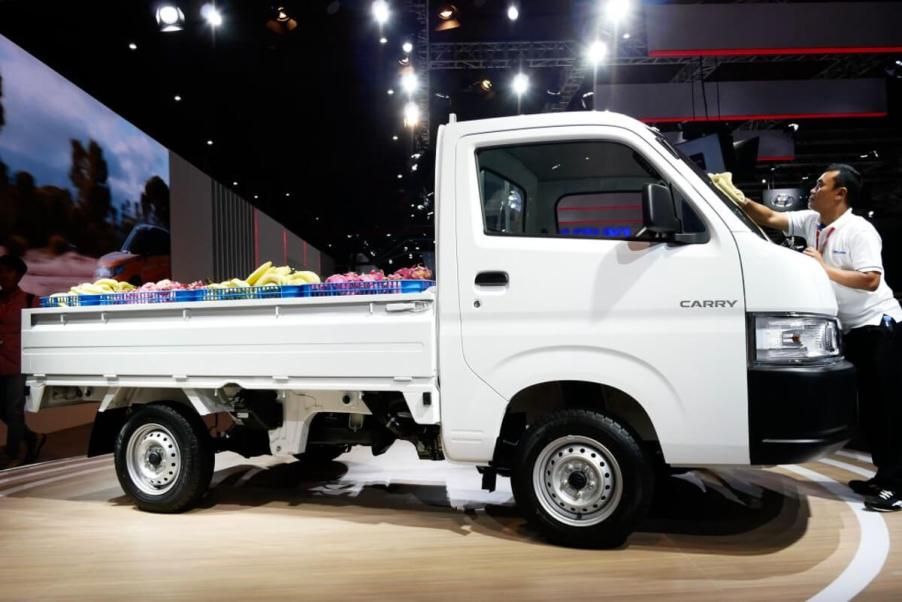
658,212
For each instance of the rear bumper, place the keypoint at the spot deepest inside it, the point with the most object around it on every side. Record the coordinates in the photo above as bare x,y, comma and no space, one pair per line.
799,413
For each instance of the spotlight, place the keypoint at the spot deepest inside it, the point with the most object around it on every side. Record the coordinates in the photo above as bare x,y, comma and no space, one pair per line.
383,40
280,22
390,91
132,46
234,183
380,12
177,98
793,127
448,17
446,12
394,137
596,52
520,84
513,13
618,10
411,114
486,85
407,47
404,61
209,143
170,18
626,36
409,82
211,14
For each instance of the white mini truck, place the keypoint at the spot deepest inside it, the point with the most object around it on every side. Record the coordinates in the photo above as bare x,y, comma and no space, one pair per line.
602,314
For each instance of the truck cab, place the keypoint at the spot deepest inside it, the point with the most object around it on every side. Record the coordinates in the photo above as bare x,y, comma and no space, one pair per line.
602,315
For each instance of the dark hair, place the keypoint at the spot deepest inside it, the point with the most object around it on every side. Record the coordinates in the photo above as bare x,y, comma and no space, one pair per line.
14,263
847,177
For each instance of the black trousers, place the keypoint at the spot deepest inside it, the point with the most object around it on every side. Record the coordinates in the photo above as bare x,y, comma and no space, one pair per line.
876,352
12,413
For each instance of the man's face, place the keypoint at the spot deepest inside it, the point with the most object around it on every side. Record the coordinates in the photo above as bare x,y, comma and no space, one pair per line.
825,195
9,278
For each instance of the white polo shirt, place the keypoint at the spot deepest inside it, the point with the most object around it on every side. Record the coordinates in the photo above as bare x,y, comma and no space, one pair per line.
849,243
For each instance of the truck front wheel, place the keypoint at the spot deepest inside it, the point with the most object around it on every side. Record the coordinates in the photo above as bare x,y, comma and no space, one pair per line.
581,479
164,461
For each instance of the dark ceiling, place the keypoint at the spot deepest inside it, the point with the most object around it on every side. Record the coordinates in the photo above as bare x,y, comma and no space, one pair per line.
308,113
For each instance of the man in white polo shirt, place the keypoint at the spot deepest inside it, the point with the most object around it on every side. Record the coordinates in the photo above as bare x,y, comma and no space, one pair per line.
848,248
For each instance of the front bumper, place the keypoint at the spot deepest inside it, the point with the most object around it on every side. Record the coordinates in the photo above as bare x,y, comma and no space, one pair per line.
799,413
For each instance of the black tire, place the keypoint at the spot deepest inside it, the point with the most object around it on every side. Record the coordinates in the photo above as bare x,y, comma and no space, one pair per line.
150,433
608,500
320,454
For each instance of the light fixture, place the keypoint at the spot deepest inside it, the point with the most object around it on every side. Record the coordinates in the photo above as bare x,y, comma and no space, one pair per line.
400,175
764,181
132,46
409,82
394,137
256,196
520,84
794,127
211,14
383,40
170,18
446,12
404,61
234,183
407,47
618,10
280,22
287,194
596,52
513,13
209,143
486,85
390,91
380,12
626,36
411,114
177,98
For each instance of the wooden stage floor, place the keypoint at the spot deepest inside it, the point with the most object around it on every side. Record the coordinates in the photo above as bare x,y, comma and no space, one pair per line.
395,528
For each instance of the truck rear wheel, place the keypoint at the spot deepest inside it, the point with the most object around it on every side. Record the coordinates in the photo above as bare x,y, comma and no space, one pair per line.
581,479
164,460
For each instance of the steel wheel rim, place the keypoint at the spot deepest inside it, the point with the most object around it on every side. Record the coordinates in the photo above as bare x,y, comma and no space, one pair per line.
153,459
577,481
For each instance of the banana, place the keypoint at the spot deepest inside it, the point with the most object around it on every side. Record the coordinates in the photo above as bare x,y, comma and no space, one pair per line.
306,277
125,287
258,273
237,283
271,279
107,282
281,270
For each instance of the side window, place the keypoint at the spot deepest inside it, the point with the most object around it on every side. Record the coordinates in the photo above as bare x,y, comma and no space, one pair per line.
503,203
583,189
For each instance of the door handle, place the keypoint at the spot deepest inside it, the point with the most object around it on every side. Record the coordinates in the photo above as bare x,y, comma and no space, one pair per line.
492,279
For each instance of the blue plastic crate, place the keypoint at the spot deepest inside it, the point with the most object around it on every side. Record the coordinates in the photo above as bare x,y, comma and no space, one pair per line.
250,292
129,298
377,287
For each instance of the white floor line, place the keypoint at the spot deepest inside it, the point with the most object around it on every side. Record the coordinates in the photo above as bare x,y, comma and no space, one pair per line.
860,456
12,490
248,476
50,470
16,469
873,547
850,467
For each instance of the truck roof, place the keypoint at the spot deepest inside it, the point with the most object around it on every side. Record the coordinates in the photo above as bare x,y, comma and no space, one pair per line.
572,118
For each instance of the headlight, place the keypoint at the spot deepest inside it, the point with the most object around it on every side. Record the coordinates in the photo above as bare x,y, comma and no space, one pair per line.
795,339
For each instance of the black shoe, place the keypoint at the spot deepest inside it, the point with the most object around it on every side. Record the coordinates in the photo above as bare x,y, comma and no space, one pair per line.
885,501
34,449
869,487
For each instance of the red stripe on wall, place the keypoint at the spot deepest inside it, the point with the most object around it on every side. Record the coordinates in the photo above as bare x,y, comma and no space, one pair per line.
776,51
284,246
256,238
601,221
607,208
762,117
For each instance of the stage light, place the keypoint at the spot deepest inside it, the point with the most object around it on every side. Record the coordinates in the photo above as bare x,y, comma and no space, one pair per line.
211,14
596,52
380,12
409,82
520,84
411,114
170,18
513,13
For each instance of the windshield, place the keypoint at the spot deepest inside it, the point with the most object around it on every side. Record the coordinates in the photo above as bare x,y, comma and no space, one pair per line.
704,178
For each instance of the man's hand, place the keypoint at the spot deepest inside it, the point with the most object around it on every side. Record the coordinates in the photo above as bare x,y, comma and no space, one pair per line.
814,253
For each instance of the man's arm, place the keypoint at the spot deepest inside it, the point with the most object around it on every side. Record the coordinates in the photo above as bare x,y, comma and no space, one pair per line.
866,281
765,216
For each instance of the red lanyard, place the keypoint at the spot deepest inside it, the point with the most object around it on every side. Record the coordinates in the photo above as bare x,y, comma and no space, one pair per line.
817,239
